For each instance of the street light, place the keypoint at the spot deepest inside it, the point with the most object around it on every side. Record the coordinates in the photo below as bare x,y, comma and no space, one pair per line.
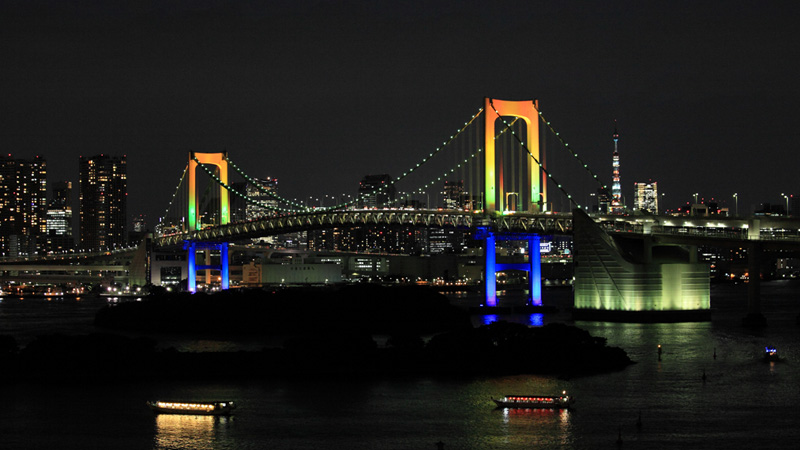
695,197
736,201
787,202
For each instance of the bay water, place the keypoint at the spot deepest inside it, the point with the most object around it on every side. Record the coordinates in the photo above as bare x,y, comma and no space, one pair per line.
742,402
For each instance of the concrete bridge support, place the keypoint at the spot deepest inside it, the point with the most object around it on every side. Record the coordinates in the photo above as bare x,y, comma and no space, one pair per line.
623,279
755,255
192,247
533,266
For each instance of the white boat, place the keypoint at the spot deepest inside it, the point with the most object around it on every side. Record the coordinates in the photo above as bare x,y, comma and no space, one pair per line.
563,401
195,408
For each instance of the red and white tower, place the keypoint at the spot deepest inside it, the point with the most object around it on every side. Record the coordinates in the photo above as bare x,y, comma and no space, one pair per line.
616,187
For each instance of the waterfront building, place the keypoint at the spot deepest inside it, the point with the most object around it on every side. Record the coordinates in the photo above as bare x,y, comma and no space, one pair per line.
446,240
770,209
646,197
23,205
374,238
324,239
168,268
103,202
300,271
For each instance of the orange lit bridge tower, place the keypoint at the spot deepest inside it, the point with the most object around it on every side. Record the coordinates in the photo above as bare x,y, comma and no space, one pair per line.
495,200
220,160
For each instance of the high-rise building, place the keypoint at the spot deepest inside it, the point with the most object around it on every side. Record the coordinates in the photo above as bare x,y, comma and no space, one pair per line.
59,219
103,202
23,205
263,191
454,194
603,201
617,206
139,224
238,204
376,191
646,197
446,240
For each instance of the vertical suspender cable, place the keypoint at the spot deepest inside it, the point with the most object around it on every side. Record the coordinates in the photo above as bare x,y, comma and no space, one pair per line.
510,150
523,166
542,180
473,171
463,155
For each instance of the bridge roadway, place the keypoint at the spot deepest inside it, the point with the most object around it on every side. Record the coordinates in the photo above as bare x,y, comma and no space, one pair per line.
511,222
770,233
773,232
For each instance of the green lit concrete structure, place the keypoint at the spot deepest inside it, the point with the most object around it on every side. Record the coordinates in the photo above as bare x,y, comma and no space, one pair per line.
631,280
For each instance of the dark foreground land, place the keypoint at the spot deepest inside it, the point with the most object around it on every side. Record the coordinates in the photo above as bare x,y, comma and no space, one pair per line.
328,333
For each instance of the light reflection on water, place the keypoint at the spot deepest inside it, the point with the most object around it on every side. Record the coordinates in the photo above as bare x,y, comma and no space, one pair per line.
539,427
179,431
533,320
744,403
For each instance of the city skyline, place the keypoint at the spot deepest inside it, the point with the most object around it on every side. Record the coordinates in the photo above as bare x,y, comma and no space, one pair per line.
336,91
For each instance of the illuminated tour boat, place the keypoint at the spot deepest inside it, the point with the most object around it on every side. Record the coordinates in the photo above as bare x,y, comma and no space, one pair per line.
196,408
563,401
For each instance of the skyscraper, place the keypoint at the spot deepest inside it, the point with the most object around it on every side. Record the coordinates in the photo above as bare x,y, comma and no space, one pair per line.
616,187
23,203
646,197
103,202
603,201
59,218
453,194
376,191
262,190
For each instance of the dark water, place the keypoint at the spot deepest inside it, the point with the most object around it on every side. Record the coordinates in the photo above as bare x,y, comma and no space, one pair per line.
744,403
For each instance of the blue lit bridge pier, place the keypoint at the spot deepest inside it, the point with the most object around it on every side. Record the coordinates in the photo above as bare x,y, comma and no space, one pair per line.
192,247
533,266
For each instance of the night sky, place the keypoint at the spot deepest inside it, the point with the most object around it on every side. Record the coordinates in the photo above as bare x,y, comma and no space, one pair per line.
320,93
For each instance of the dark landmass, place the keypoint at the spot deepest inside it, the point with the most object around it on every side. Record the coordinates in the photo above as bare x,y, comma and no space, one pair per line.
328,333
497,349
368,308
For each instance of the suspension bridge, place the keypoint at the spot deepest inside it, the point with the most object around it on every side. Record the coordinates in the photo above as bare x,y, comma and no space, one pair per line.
494,167
490,177
499,177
